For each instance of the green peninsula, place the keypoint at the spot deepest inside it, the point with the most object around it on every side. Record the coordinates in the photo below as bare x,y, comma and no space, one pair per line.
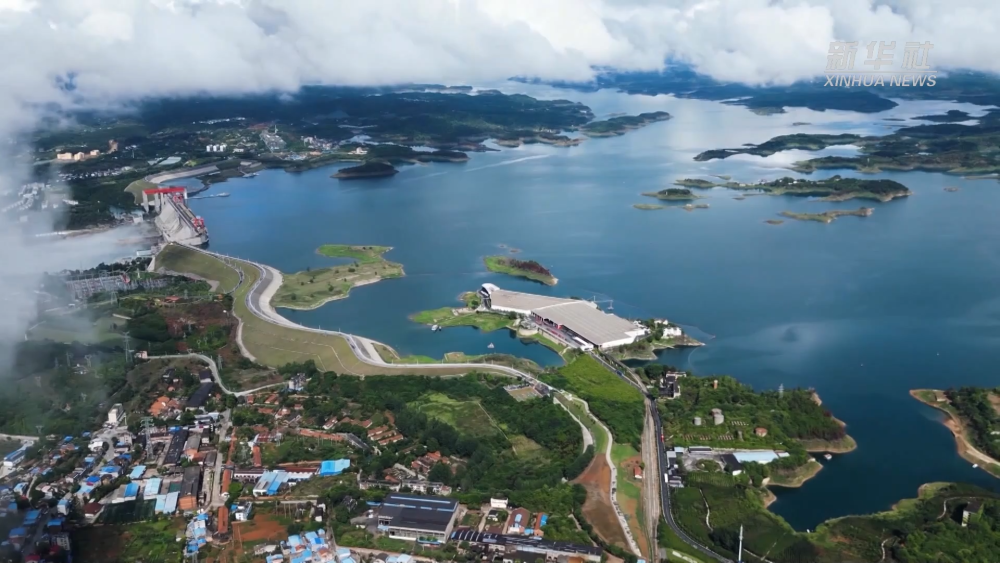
835,188
518,138
951,116
973,418
673,194
312,288
801,141
528,269
828,216
620,125
943,146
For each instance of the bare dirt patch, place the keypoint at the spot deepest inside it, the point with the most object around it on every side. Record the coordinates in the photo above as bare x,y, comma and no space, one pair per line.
630,504
597,509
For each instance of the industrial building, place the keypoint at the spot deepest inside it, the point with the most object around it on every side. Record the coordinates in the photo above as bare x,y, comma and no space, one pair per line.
200,396
417,518
579,322
545,549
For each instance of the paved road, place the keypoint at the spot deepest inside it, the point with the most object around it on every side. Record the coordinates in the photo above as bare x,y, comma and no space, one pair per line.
215,374
258,302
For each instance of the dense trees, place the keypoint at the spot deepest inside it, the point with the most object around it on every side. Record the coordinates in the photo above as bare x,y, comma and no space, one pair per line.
980,416
490,466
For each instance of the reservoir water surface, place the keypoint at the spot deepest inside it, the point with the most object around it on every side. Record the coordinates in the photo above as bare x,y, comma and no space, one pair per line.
862,309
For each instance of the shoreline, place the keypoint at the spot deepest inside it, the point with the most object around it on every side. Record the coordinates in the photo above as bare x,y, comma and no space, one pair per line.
953,422
330,299
845,445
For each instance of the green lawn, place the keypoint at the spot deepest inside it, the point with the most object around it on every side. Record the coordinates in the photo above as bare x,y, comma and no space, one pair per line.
136,188
466,416
312,288
527,448
179,259
616,403
443,317
362,254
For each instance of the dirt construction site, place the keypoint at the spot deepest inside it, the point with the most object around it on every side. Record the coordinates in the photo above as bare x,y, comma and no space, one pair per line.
597,509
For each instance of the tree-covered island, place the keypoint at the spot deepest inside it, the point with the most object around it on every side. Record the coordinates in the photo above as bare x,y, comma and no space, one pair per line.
528,269
828,216
312,288
835,188
616,126
942,146
673,194
373,169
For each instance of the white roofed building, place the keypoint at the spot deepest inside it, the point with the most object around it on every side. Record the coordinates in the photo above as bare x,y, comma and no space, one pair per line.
581,321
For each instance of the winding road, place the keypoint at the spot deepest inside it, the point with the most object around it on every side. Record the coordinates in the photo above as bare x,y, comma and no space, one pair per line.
258,302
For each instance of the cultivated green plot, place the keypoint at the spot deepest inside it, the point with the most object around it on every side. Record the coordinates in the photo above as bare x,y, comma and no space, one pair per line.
467,416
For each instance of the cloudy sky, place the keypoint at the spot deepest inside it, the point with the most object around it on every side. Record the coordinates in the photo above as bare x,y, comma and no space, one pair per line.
113,51
117,49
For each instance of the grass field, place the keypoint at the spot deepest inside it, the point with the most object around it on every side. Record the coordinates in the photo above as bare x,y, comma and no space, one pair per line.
127,512
527,448
310,289
146,541
445,317
361,254
467,417
179,259
616,403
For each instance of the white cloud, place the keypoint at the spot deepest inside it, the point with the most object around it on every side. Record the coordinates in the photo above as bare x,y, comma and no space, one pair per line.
120,50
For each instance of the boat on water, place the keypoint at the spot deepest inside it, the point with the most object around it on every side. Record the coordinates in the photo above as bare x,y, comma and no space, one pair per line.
435,328
490,346
250,175
828,456
975,466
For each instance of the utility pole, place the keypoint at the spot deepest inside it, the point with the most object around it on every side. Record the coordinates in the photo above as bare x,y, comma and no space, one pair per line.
128,351
781,391
147,425
739,557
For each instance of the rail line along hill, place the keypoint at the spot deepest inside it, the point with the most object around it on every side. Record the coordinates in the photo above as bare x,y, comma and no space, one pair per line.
528,269
973,416
835,188
312,288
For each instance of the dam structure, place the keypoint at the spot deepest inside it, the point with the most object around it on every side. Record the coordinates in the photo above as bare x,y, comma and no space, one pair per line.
174,219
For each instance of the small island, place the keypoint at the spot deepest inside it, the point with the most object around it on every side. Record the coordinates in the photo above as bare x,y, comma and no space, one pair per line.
774,221
973,416
312,288
528,269
673,194
828,216
951,189
951,116
518,138
835,188
690,207
801,141
367,170
617,126
647,206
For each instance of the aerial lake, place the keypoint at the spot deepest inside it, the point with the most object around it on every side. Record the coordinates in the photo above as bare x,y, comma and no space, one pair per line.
862,309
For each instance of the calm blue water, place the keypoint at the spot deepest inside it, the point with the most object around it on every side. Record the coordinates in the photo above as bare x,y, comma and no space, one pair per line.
862,309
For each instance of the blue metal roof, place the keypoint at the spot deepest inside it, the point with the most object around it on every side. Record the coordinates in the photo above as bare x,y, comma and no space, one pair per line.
131,490
333,467
137,472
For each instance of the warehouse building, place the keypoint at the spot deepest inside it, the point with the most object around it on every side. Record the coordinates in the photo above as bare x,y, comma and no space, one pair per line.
528,548
417,518
575,320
